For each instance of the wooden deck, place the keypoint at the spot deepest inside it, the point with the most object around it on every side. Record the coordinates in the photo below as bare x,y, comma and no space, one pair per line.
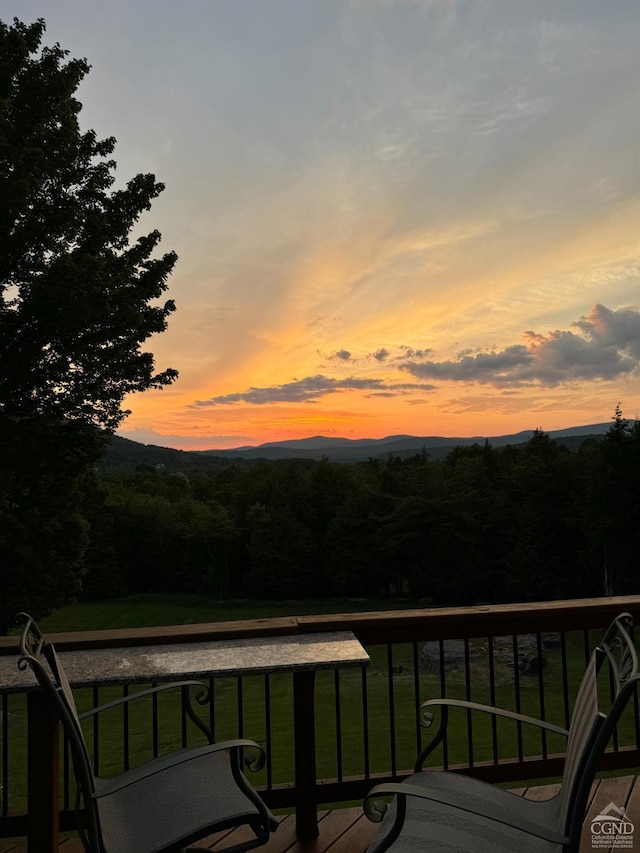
348,831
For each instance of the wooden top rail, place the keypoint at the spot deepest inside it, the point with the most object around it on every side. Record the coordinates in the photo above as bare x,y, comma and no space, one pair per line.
433,623
159,635
444,623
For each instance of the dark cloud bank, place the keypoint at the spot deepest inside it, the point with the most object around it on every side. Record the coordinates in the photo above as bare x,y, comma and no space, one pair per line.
607,348
604,346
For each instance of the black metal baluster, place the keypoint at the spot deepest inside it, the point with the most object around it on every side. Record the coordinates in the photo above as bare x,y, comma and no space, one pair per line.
66,783
516,687
267,722
125,726
565,680
540,666
492,700
612,693
467,686
587,645
336,683
183,715
154,721
240,694
392,711
365,723
416,695
443,693
96,733
212,708
5,754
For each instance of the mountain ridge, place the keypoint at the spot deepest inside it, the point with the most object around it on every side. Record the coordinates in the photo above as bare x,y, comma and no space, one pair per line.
125,453
354,449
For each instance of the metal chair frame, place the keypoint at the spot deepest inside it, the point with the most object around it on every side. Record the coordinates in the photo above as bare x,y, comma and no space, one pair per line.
40,655
588,736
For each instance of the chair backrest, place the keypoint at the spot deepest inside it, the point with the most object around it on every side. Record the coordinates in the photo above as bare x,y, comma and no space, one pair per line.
592,725
39,654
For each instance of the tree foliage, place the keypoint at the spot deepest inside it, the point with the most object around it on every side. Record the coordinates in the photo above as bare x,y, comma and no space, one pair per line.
78,298
75,291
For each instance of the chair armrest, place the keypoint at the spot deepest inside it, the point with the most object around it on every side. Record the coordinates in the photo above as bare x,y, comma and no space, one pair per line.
173,759
141,693
201,698
427,720
375,809
427,717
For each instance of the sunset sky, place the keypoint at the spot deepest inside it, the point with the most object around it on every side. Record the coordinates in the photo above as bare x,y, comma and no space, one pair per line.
391,216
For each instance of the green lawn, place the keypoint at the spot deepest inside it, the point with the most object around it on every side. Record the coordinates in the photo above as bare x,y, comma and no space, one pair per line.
137,611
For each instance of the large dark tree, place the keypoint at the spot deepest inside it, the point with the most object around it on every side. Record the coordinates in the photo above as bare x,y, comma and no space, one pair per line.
78,298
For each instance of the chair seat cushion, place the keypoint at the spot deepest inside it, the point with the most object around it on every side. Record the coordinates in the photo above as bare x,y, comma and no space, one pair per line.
174,806
436,827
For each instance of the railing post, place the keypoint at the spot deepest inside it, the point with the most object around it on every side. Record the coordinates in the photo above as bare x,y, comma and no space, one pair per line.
42,764
304,726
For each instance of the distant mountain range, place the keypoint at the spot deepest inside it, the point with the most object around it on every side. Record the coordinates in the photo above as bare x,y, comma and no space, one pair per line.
126,454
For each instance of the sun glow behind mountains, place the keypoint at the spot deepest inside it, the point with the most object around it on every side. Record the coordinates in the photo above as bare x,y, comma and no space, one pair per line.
398,216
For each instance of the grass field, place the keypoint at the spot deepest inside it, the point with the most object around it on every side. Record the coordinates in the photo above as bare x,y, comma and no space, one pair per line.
149,610
240,709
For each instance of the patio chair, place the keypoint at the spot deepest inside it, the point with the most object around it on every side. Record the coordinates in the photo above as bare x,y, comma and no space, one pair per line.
167,803
447,811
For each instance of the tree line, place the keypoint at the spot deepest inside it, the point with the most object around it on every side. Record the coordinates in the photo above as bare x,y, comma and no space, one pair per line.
527,522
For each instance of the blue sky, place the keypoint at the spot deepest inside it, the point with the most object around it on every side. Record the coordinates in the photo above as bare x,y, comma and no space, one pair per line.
392,216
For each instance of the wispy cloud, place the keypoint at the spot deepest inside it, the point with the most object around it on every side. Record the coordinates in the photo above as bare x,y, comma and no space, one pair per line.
342,355
310,389
410,352
381,355
607,348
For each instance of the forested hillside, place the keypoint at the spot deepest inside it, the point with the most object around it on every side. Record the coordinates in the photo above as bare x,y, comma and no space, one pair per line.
535,521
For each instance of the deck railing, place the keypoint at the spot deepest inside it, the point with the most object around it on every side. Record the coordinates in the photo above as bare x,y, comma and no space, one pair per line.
527,657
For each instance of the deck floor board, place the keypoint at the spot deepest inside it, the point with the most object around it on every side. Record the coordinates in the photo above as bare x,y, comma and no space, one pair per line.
349,831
